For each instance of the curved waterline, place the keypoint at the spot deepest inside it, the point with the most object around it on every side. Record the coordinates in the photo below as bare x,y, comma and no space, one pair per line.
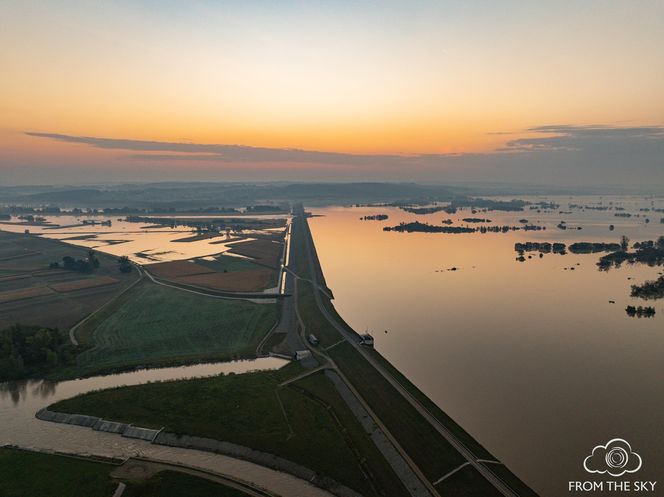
19,401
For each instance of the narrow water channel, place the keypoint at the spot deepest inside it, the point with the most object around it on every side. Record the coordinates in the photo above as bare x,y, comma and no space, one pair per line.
19,401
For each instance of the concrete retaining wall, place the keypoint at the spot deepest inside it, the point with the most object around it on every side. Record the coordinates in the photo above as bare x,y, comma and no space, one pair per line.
262,458
98,424
199,443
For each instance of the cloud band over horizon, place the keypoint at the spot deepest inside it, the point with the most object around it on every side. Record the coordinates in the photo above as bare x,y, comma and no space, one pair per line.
557,154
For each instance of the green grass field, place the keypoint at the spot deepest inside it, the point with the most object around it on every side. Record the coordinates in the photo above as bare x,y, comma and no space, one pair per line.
432,453
155,324
33,474
246,409
383,476
174,484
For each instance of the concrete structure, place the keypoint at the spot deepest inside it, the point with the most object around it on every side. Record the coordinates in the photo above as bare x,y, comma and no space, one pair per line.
302,354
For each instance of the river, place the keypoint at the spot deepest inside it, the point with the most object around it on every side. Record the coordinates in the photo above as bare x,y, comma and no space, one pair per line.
19,401
530,357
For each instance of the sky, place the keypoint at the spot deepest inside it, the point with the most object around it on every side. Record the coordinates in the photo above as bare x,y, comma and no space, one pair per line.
560,92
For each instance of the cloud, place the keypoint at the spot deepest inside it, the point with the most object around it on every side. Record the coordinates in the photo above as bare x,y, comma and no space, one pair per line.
553,154
231,153
615,458
579,138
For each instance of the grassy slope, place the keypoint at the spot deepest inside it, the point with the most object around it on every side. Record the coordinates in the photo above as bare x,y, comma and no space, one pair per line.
501,471
381,473
154,324
173,484
432,453
33,474
245,409
428,449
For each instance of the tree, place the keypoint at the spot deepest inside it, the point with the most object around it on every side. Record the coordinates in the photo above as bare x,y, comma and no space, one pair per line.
624,243
92,259
125,265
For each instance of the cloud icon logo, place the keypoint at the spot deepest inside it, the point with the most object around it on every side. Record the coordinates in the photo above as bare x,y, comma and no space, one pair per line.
615,458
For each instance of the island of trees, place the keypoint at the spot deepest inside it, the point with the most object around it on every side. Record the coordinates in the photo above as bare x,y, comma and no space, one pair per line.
649,289
649,252
476,204
475,220
375,217
418,227
543,247
489,204
427,210
640,311
593,247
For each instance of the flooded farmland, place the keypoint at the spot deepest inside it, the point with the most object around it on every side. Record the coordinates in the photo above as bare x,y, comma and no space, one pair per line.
538,359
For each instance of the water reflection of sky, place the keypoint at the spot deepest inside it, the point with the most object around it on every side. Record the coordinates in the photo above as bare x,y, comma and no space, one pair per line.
34,392
529,357
156,244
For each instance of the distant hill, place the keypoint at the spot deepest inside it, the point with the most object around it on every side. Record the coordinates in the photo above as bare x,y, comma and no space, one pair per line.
196,195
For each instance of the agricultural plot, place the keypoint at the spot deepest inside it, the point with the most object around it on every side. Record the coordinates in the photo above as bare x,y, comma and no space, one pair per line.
82,284
24,293
237,281
176,269
227,273
226,263
154,324
33,294
265,252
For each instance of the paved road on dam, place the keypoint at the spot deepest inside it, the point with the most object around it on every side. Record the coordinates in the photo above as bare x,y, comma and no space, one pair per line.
316,270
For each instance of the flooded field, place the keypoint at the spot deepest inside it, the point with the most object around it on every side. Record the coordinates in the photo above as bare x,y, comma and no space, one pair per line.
537,359
142,242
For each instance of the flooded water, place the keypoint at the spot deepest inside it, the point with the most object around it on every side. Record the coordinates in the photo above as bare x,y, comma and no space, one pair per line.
141,242
530,357
20,400
32,395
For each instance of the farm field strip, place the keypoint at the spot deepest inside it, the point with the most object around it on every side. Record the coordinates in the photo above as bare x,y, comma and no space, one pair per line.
70,286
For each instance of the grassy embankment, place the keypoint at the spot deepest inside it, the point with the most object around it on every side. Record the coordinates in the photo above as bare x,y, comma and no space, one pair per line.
430,451
157,325
146,325
315,428
24,473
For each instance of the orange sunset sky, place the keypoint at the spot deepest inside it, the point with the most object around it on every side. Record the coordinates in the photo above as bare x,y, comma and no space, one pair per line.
393,90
